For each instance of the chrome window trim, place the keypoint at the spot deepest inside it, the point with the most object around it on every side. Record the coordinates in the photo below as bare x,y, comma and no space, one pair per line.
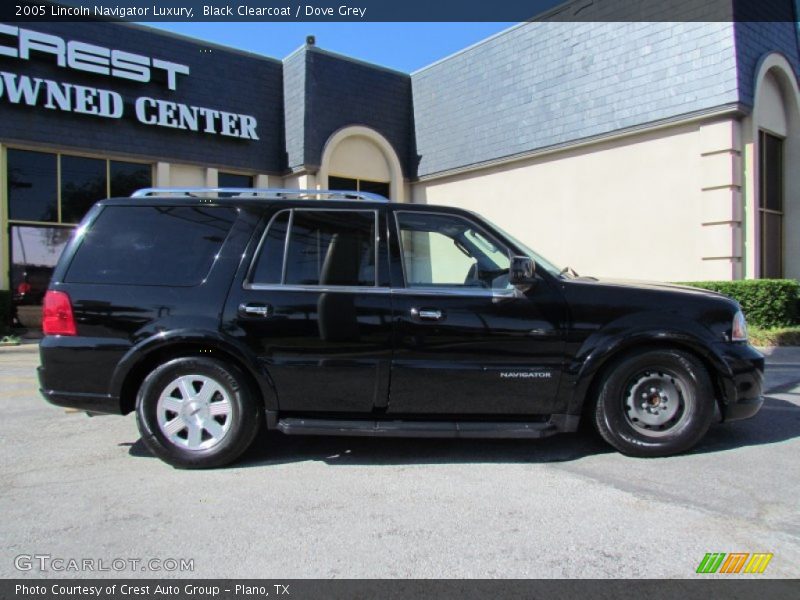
257,254
250,285
352,289
465,292
286,242
476,226
280,287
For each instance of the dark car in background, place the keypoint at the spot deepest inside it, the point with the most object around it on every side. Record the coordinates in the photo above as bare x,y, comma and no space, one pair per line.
28,290
213,314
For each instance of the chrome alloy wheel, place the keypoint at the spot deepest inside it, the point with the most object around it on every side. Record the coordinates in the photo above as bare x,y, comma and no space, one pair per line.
656,403
194,412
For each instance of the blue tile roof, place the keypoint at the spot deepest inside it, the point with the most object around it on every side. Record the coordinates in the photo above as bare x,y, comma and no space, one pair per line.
542,84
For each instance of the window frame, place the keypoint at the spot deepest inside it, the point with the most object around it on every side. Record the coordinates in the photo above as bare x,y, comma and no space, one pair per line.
447,290
249,284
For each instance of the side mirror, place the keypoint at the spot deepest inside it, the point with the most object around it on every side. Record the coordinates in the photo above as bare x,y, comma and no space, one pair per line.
522,272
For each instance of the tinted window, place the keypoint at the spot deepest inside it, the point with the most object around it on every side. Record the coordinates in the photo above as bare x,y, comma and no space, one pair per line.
361,185
32,183
147,245
83,182
771,205
343,183
269,265
127,177
771,172
232,180
331,248
374,187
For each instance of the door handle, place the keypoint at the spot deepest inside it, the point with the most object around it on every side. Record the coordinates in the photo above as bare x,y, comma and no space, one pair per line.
255,310
427,314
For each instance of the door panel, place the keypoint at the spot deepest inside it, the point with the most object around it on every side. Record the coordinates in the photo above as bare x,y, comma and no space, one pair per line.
484,355
322,349
311,310
466,342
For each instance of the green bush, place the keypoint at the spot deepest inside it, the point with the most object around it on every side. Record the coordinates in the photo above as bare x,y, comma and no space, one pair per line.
782,336
767,303
5,311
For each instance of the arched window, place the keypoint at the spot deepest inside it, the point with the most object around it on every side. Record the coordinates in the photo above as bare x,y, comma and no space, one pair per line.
775,210
359,158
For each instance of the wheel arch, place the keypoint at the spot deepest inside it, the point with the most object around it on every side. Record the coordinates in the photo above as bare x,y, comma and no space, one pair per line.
147,355
598,360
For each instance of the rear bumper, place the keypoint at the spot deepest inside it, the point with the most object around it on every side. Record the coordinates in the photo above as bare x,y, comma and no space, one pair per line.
75,372
744,386
96,403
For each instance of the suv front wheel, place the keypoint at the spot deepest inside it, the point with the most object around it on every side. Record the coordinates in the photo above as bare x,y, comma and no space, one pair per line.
656,403
197,412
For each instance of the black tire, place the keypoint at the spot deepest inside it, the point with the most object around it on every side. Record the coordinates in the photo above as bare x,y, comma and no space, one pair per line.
641,422
232,405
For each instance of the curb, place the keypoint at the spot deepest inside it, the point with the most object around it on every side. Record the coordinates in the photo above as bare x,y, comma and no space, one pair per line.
781,352
23,348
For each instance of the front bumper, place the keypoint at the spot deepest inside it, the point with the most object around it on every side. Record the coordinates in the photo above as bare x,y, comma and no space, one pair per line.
743,385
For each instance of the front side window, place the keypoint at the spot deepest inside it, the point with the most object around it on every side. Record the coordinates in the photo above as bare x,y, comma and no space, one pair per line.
450,251
322,248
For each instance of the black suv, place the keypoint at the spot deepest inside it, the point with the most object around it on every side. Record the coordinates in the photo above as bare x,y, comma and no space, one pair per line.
216,313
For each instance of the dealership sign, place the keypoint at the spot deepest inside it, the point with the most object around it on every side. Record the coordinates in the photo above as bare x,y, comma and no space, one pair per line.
104,103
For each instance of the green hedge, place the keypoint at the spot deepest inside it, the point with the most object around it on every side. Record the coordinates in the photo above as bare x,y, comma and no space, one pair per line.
766,303
5,311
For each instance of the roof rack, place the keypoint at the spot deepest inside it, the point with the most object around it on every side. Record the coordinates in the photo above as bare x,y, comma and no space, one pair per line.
260,193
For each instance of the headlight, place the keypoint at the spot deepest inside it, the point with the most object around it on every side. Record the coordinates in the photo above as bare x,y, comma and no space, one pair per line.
739,328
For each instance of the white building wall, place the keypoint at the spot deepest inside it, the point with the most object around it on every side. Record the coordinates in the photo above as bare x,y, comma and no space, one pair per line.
662,205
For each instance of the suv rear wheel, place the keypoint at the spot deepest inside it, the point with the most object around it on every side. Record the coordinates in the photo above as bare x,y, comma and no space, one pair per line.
655,403
197,412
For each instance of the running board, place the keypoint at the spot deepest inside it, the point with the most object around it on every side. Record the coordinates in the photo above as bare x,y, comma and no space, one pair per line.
420,429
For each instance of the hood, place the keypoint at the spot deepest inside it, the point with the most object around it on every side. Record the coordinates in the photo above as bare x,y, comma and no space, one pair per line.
653,285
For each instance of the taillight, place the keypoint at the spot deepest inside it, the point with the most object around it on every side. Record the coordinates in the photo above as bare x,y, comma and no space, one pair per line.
57,317
23,288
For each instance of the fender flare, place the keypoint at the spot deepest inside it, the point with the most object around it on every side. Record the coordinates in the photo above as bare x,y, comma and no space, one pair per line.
143,351
603,346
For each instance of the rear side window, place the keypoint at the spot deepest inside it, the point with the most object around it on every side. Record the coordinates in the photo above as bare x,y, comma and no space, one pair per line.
269,265
325,248
150,245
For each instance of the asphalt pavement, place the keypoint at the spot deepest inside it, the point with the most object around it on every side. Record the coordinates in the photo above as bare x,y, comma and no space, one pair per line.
79,488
